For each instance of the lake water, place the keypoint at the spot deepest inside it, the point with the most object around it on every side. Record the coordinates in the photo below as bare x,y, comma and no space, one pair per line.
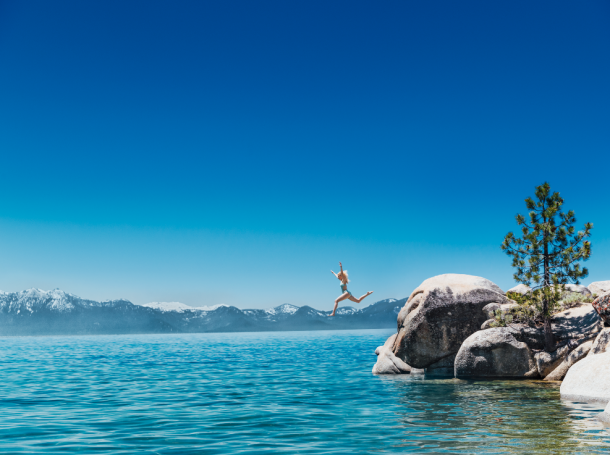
290,392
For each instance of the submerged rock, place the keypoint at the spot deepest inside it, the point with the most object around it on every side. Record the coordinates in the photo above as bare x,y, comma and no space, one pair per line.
442,368
495,352
387,363
440,314
588,380
605,415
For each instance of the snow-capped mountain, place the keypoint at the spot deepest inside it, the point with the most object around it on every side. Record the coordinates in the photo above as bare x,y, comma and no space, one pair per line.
38,312
180,307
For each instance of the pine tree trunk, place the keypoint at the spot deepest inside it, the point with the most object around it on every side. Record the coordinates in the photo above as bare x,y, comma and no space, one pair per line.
549,340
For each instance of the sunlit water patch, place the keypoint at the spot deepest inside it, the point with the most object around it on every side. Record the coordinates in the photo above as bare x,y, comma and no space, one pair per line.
258,393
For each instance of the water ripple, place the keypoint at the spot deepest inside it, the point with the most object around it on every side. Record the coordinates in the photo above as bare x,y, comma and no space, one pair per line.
266,393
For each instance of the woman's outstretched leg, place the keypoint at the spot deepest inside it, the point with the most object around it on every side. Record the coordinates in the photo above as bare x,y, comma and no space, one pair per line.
338,300
351,298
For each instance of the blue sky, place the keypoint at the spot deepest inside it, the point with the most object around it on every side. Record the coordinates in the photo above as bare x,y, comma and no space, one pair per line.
233,152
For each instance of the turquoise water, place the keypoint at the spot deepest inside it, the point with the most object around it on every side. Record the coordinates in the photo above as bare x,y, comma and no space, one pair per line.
293,392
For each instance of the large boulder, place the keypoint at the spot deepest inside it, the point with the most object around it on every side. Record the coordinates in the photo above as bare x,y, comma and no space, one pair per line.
517,351
440,314
521,289
495,352
387,363
588,380
575,355
600,288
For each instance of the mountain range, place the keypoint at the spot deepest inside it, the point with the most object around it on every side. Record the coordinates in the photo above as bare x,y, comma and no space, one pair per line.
55,312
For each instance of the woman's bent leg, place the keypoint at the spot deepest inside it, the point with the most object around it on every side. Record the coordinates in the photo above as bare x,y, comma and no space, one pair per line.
338,300
351,298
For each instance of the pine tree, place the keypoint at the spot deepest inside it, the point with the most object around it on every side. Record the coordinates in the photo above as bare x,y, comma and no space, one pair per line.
547,256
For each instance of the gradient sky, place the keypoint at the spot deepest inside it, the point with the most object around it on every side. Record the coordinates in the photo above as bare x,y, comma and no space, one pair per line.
234,151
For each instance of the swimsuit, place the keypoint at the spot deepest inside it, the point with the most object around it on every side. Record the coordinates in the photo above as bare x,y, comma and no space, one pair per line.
344,288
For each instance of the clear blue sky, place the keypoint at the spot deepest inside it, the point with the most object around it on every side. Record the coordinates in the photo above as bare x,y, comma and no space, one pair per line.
234,151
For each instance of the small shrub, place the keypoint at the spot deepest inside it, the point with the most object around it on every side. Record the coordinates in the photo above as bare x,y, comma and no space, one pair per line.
501,319
530,310
569,299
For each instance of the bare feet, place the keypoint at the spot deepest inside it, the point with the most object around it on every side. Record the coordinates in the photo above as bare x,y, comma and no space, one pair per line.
332,315
369,293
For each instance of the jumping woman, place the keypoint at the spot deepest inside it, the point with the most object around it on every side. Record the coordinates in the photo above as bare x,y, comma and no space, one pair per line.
342,276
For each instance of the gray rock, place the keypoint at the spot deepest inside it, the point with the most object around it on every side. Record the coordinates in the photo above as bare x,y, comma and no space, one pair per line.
487,323
387,363
533,337
521,289
578,323
575,355
490,309
442,368
600,345
578,289
605,415
495,352
547,362
509,352
506,308
588,380
440,314
600,288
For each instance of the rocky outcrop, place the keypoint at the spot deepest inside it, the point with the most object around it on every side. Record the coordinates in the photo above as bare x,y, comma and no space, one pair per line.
521,289
387,363
575,355
495,352
578,289
440,314
601,343
600,288
588,380
448,327
517,350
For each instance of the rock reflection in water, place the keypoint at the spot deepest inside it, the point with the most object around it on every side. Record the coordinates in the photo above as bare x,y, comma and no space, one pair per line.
501,416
